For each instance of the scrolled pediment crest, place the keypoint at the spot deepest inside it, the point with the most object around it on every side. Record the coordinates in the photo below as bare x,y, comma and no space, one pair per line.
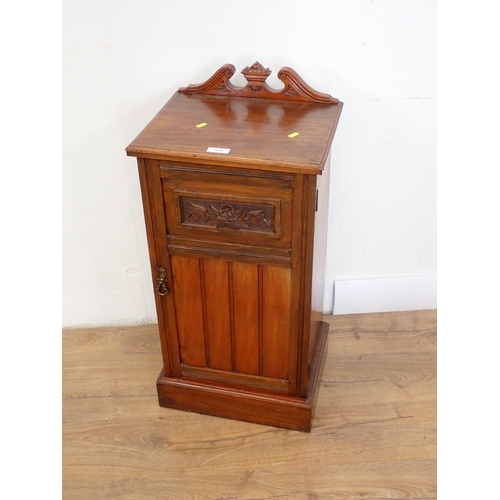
295,88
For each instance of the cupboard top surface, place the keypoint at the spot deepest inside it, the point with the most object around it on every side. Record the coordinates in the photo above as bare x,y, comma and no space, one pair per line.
256,131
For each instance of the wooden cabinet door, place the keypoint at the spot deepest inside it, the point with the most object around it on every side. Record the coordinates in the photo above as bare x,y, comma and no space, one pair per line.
230,315
233,321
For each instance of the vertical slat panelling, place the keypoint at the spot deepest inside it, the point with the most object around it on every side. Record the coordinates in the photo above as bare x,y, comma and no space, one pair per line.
246,317
217,318
206,337
188,308
275,320
231,312
261,298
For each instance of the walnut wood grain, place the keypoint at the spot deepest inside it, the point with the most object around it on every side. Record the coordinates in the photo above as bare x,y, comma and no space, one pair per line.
322,185
229,184
295,88
276,316
158,251
246,318
308,330
239,319
221,214
225,208
252,406
265,145
232,252
188,297
233,379
217,314
285,131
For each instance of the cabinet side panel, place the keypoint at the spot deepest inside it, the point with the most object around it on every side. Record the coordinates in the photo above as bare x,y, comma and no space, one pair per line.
319,256
217,312
309,330
276,299
188,309
246,317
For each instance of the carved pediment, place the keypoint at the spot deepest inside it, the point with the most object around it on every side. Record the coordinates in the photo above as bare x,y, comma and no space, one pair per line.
295,88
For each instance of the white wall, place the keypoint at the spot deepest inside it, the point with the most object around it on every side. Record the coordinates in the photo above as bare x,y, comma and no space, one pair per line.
123,59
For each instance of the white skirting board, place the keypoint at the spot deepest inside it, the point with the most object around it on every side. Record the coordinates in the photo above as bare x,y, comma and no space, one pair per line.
410,293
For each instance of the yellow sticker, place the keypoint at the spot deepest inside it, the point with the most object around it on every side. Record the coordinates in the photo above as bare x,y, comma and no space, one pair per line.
201,125
293,134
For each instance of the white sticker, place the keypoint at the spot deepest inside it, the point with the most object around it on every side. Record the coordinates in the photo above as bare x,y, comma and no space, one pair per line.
224,151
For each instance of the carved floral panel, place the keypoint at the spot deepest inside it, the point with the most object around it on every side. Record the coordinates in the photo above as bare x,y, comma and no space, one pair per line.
227,215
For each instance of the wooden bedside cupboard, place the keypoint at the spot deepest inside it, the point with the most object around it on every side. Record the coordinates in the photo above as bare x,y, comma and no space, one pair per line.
236,218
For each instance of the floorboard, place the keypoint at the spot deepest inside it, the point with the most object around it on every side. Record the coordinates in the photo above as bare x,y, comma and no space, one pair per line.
373,436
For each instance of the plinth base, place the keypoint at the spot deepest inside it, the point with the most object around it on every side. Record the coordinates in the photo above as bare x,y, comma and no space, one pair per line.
237,404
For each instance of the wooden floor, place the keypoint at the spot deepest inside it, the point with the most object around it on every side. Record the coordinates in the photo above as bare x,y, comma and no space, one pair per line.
373,437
